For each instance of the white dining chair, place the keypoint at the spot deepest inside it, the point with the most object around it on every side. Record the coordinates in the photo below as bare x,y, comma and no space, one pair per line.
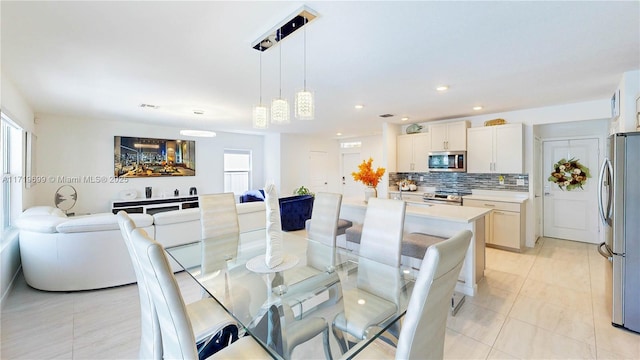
209,321
424,327
218,219
178,338
378,292
323,225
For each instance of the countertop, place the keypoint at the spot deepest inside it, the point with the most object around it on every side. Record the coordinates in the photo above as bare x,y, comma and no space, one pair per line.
502,196
460,214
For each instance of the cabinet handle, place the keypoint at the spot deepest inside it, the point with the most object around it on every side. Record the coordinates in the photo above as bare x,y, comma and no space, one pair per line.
489,205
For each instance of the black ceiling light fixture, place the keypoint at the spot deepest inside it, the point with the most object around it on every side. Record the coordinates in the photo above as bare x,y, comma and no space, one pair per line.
288,26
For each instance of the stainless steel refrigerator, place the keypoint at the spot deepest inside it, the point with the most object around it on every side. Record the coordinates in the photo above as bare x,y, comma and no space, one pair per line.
619,204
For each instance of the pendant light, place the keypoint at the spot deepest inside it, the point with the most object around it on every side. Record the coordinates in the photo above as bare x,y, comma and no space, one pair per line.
280,106
304,107
260,112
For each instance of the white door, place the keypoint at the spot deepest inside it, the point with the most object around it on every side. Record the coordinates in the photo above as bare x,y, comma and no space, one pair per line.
318,177
350,163
571,215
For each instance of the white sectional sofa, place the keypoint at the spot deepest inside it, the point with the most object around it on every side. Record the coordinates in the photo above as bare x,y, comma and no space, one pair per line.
61,253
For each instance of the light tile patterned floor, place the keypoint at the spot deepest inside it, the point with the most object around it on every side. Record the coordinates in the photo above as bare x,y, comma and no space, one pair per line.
547,302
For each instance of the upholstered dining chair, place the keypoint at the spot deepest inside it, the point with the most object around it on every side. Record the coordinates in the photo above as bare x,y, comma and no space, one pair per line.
208,320
323,224
218,219
178,338
423,331
378,280
323,227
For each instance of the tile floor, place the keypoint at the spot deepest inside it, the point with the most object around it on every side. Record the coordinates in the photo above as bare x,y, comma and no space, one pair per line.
547,302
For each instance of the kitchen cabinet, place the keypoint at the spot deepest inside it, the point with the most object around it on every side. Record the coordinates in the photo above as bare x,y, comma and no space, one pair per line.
449,136
412,152
505,225
495,149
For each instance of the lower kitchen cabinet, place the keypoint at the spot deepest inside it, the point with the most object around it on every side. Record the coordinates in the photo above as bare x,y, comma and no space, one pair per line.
505,225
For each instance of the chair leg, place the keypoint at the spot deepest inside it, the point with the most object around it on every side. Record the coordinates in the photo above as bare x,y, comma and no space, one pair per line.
217,341
325,340
339,335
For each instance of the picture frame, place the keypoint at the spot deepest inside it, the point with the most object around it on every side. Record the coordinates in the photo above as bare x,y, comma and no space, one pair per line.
136,157
615,105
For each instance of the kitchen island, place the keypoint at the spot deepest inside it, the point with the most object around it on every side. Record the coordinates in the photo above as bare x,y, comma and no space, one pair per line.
439,220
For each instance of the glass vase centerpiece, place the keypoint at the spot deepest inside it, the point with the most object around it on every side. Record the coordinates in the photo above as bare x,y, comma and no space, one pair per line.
368,177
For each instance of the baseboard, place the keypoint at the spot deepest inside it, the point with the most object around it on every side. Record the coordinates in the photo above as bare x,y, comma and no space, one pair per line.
10,265
9,288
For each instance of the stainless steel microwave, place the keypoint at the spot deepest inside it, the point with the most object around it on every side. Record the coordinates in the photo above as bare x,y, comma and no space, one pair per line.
448,161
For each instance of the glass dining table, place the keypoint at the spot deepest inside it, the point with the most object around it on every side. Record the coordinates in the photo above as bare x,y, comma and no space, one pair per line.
321,281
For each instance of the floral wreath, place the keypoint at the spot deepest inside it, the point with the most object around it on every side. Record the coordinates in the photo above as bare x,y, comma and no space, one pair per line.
570,174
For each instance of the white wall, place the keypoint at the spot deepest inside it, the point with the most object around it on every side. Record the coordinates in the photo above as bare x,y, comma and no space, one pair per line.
295,164
629,89
272,161
75,147
14,105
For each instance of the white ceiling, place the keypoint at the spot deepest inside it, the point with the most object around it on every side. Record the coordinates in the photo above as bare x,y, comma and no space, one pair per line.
103,59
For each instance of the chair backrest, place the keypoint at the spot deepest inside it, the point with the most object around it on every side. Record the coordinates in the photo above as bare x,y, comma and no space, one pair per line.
324,218
150,340
218,220
178,340
382,231
425,322
218,214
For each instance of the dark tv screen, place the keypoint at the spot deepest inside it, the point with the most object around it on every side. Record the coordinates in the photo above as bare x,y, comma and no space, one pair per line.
147,157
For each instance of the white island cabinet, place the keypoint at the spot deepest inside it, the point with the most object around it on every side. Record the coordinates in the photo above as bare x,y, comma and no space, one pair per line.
506,223
444,221
495,149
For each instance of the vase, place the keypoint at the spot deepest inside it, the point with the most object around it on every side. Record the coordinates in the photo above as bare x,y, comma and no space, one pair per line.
370,191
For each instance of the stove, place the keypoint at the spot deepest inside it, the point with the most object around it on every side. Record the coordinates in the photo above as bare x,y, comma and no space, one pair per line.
445,197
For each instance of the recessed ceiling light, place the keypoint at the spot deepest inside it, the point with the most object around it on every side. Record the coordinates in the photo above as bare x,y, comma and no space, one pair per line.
359,106
338,134
198,112
149,106
476,108
198,133
442,88
404,118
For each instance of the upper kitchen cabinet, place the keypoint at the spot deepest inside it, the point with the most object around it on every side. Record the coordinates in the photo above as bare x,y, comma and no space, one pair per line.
495,149
413,152
449,136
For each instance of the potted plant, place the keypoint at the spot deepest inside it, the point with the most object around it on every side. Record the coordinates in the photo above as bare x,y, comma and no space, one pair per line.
369,177
302,191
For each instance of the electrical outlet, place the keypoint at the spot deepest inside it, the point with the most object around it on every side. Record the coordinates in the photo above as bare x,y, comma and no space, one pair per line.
409,177
520,182
421,178
501,180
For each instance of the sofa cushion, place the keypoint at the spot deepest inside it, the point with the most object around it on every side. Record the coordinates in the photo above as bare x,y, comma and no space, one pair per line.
40,223
100,222
252,196
43,210
244,208
176,216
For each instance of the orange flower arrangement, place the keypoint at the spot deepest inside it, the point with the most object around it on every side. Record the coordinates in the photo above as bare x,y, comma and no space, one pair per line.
366,175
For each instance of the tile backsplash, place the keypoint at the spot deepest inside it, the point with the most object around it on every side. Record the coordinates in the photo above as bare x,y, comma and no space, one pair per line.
464,182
